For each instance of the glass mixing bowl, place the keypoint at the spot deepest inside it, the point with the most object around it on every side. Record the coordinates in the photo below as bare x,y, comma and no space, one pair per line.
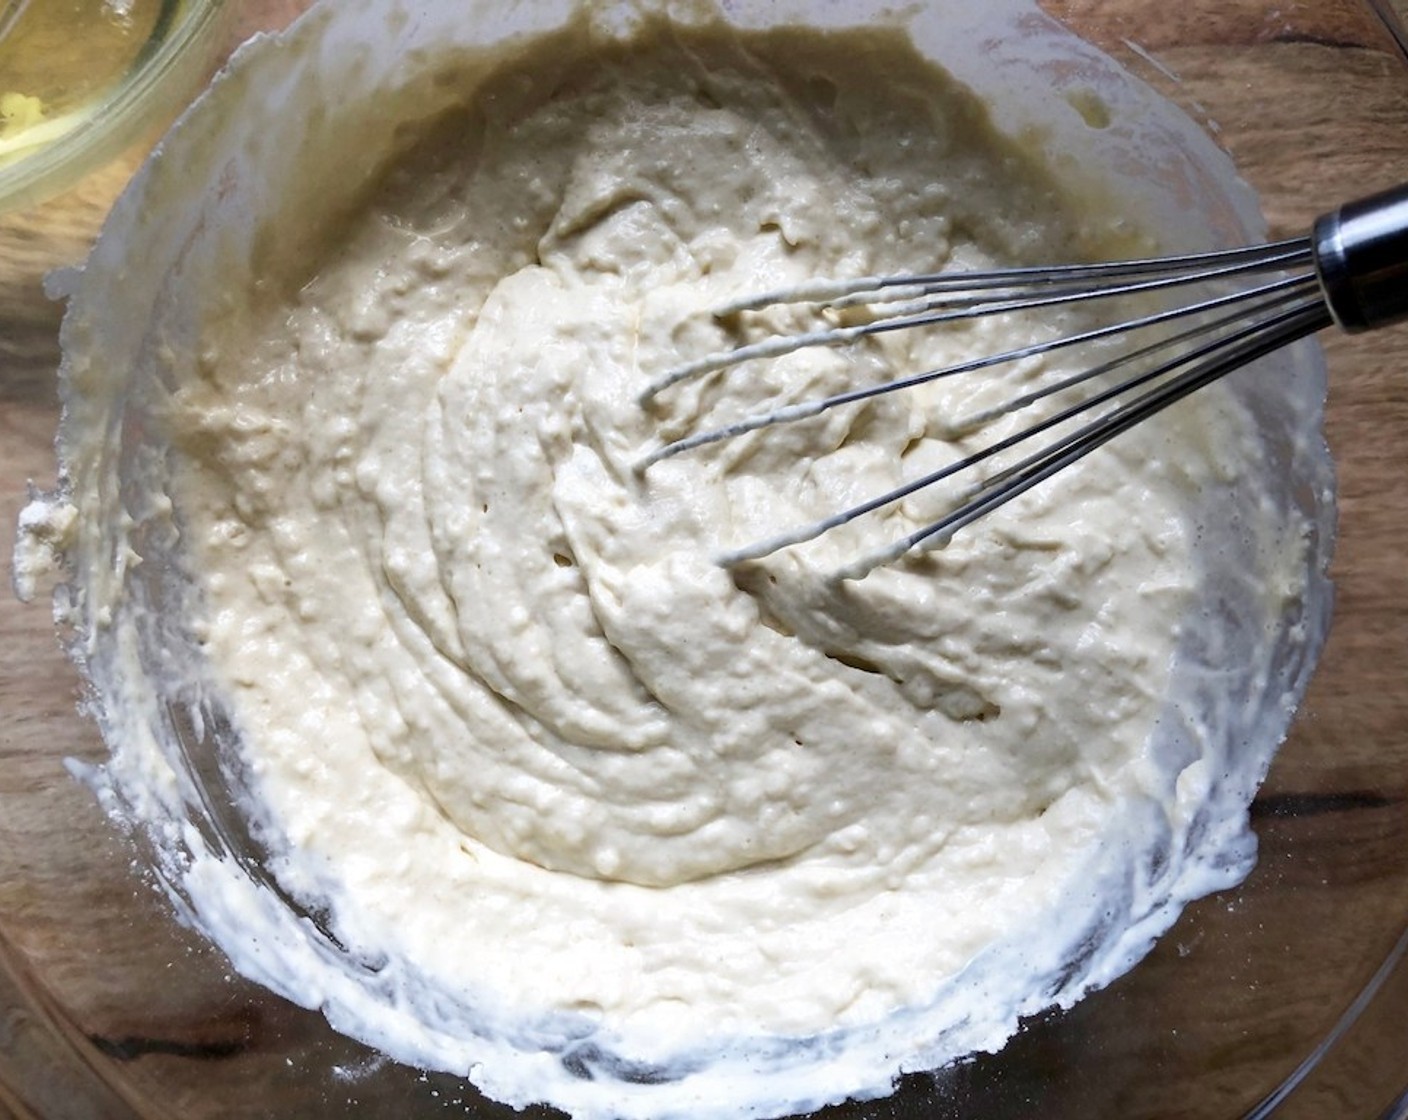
1285,997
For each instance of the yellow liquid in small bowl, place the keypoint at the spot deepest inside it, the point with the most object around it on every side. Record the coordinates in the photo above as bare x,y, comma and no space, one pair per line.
60,58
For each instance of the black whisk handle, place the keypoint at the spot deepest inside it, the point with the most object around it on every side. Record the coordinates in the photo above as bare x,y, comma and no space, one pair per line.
1361,255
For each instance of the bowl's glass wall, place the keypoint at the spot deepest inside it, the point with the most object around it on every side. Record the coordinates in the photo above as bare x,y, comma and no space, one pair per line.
108,1008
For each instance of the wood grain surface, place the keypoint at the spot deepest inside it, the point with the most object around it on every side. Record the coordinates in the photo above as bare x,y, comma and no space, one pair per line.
108,1008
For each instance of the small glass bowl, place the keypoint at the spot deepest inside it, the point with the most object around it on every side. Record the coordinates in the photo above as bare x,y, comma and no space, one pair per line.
88,117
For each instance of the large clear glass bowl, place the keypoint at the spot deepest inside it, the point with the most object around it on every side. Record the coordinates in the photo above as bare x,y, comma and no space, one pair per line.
1287,997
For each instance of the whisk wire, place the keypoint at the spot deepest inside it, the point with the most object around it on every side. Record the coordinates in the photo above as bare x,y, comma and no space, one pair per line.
1276,255
1278,295
1010,482
1048,287
1221,358
807,409
1073,282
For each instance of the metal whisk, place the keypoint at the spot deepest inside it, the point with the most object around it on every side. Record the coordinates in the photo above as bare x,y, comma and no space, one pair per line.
1351,270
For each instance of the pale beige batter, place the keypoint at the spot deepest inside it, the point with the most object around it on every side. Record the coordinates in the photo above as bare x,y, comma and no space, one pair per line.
461,626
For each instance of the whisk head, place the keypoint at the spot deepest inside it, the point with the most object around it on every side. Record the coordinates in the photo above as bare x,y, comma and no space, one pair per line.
1247,303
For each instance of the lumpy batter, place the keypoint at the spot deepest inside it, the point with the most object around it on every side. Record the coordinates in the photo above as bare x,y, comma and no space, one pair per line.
493,676
514,730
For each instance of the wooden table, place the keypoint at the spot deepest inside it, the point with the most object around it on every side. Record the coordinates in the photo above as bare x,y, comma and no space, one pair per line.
149,1021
